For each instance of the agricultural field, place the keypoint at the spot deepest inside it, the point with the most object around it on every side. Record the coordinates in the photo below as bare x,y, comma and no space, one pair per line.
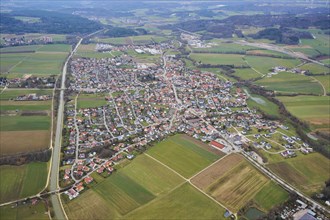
24,106
38,211
183,155
260,52
88,50
310,52
321,42
326,61
22,181
184,202
263,104
218,59
8,94
137,40
290,83
325,81
315,68
91,100
307,172
264,64
24,123
222,47
234,182
313,109
36,48
31,36
246,73
14,142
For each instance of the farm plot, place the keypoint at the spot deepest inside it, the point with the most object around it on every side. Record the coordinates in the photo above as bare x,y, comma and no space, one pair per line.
21,181
38,211
235,186
325,81
20,106
306,172
246,73
315,68
289,83
224,48
182,155
91,100
218,59
14,142
24,123
263,104
184,202
264,64
11,94
313,109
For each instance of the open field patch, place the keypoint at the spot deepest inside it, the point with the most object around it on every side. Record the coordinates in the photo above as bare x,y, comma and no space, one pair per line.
32,212
90,101
246,73
90,205
184,202
263,104
264,64
12,93
313,109
24,123
315,68
152,175
25,106
204,179
218,59
325,81
182,155
270,195
21,181
13,142
237,186
307,172
287,83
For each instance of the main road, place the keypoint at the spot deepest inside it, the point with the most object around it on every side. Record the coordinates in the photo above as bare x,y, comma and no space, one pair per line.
55,162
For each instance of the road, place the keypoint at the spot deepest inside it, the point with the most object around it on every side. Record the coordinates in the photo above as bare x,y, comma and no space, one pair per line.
55,162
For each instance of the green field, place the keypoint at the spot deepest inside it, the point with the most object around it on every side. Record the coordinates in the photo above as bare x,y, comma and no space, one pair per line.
91,100
326,61
313,109
285,82
182,155
25,105
270,195
310,52
246,73
325,80
264,64
262,52
137,40
263,104
307,172
321,42
24,123
22,181
31,212
224,48
40,48
11,93
184,202
20,48
218,59
152,175
315,68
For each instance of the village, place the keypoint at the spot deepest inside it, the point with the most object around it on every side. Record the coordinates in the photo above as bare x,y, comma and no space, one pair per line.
146,103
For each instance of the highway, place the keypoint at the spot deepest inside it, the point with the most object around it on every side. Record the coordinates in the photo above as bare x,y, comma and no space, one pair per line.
55,162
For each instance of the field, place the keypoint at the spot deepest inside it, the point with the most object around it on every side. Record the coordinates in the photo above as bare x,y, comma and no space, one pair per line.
218,59
91,100
184,202
147,189
325,80
38,211
24,123
12,93
88,50
315,68
21,181
182,155
264,64
290,83
306,172
246,73
320,43
13,142
137,40
263,104
40,48
313,109
25,106
224,48
233,182
266,53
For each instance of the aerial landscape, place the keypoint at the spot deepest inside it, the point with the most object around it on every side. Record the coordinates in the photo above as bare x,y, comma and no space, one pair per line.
165,109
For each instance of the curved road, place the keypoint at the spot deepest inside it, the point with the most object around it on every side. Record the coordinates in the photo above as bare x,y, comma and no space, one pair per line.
53,183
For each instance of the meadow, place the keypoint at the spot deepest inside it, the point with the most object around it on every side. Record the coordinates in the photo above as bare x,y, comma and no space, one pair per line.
137,40
22,181
246,74
182,155
38,211
313,109
307,172
290,83
325,81
12,93
25,105
91,100
321,42
264,64
24,123
222,47
263,104
218,59
315,68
